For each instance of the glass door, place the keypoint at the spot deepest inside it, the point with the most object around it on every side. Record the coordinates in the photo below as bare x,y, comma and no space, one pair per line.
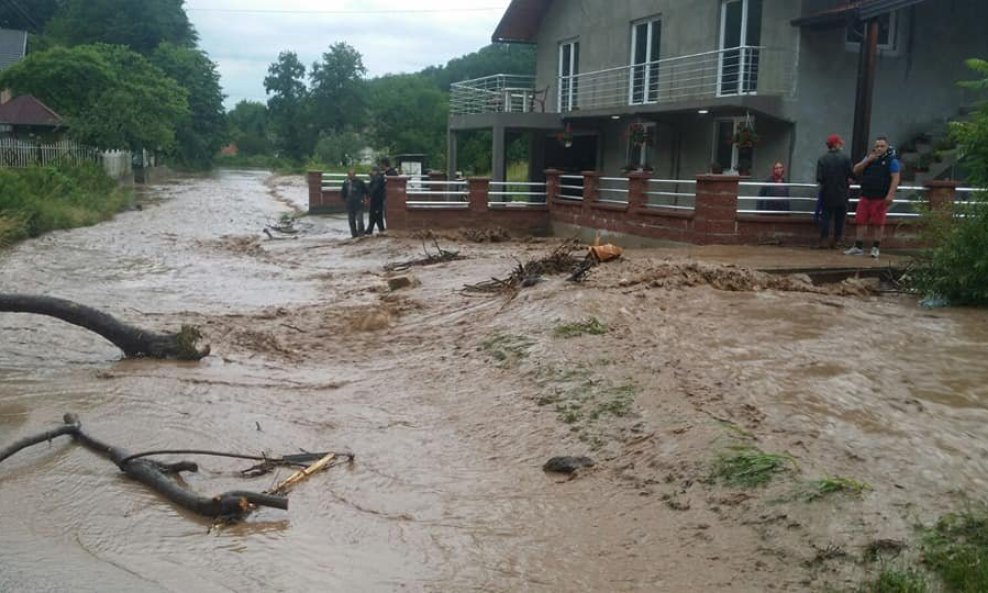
569,69
646,39
740,35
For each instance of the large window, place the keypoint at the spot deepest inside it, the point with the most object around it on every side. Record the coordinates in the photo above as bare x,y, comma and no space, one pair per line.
569,68
740,36
646,39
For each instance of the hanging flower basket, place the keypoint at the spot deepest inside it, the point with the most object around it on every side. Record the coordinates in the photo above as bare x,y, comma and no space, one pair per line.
565,137
639,134
745,136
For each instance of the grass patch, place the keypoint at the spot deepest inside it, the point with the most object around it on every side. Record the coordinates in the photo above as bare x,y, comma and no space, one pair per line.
590,326
956,549
896,581
823,487
507,349
749,467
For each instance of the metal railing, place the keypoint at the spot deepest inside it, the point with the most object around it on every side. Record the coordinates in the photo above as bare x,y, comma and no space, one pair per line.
332,181
499,93
746,70
671,193
517,194
571,187
612,190
435,193
758,197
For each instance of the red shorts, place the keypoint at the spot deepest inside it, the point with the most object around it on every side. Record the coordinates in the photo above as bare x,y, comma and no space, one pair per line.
870,211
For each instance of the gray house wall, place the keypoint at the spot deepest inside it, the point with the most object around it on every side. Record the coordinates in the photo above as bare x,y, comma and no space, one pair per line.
915,88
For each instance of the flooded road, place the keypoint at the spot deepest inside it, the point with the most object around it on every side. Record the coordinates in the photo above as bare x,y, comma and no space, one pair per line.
452,403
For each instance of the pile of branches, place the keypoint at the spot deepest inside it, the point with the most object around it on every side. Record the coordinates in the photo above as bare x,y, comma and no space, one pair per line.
441,255
560,261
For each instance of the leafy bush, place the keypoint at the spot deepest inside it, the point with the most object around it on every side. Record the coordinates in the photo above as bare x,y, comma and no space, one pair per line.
35,200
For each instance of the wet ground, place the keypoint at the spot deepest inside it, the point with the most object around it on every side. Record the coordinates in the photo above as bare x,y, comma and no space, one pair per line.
452,402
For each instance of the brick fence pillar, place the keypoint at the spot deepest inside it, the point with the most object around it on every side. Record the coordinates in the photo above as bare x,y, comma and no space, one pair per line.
940,195
478,189
591,188
314,179
552,182
396,203
715,216
637,190
437,175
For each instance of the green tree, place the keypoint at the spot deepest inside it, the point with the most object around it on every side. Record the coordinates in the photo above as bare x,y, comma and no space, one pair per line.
248,122
27,15
339,95
141,25
497,58
110,96
408,115
288,106
199,135
957,266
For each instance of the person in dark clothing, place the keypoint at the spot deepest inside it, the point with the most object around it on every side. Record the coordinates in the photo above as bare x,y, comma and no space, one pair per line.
833,173
389,171
775,191
879,174
377,193
354,192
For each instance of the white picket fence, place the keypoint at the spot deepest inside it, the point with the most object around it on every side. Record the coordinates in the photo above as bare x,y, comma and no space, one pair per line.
18,154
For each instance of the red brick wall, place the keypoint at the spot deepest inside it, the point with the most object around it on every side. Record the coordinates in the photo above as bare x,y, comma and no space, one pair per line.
322,202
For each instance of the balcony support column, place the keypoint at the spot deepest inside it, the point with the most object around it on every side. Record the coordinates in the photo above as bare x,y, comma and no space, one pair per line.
498,169
451,154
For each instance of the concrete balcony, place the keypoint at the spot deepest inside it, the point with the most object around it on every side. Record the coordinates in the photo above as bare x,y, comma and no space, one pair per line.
502,100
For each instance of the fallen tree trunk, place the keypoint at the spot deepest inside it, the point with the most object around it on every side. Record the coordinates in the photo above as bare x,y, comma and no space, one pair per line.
235,504
134,341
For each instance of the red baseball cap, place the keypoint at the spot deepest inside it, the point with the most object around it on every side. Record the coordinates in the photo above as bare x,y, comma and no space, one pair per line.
833,140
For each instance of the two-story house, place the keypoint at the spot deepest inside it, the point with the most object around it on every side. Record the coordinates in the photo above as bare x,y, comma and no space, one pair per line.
680,86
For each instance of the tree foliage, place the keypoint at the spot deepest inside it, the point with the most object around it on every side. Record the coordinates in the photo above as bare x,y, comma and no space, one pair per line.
110,96
288,106
338,91
27,15
141,25
201,133
248,122
408,115
957,267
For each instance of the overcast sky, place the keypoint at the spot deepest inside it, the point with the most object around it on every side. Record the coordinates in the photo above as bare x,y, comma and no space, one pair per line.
244,37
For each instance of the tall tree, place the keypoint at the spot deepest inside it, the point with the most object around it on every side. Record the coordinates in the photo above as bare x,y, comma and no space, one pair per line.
201,134
408,114
338,91
111,96
141,25
248,122
288,106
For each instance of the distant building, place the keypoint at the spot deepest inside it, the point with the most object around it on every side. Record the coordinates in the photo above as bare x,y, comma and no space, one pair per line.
13,48
25,117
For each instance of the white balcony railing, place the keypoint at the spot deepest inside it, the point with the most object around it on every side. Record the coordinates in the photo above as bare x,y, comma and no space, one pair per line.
725,73
494,94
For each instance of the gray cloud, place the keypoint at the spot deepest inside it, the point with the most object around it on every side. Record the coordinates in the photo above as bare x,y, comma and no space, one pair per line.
244,43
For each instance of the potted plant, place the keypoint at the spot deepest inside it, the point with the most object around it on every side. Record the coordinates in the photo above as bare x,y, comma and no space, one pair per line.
565,137
745,135
639,134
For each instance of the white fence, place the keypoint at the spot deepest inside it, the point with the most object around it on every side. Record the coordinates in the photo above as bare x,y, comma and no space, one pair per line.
16,153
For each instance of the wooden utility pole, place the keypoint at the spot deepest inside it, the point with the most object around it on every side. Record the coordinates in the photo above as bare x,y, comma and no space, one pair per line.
867,61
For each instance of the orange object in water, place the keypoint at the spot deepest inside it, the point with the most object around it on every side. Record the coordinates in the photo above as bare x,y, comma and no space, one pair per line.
606,252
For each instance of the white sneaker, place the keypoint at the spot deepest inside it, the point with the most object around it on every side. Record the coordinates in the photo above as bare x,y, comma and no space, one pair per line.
874,252
854,250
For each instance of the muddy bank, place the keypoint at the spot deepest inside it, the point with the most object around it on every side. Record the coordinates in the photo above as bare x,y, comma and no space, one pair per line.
454,402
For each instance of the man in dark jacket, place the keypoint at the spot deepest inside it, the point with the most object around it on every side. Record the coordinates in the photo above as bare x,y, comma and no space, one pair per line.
354,192
376,201
833,173
878,174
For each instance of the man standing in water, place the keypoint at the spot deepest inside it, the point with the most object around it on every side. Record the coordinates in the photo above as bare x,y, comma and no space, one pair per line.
377,190
878,174
354,192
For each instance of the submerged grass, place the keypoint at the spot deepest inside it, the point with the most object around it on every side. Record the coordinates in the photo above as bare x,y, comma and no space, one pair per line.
749,467
507,349
823,487
590,326
956,549
892,580
35,200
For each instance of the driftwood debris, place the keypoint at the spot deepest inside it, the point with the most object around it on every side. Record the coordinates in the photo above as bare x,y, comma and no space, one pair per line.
134,341
441,255
232,505
560,261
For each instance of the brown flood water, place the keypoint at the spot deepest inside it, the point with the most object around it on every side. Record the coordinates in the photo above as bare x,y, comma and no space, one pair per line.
451,403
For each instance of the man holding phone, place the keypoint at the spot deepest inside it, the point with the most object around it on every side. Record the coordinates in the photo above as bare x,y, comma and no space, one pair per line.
879,174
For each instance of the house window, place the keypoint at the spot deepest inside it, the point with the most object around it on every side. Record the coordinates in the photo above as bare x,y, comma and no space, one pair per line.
646,39
726,153
887,33
740,37
569,69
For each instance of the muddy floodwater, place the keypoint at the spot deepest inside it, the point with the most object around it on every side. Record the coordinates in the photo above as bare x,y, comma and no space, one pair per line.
452,401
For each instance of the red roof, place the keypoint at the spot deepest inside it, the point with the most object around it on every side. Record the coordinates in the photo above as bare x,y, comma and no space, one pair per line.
26,110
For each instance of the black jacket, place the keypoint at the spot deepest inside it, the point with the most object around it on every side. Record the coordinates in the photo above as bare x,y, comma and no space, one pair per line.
833,171
353,190
876,179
